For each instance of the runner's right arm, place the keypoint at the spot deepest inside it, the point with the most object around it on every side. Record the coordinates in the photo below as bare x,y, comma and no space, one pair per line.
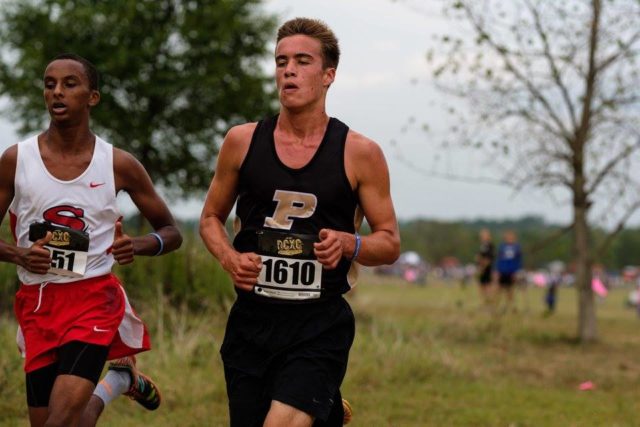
36,259
133,178
223,192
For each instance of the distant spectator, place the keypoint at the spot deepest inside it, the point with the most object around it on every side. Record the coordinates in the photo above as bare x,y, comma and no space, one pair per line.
484,261
550,296
556,270
508,264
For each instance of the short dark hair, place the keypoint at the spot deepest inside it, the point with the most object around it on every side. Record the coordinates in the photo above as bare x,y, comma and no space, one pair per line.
90,70
318,30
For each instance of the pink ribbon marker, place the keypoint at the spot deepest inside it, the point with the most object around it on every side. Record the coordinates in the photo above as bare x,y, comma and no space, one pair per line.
587,385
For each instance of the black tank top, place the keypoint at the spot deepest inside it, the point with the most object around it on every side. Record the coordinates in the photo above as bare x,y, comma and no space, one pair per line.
281,210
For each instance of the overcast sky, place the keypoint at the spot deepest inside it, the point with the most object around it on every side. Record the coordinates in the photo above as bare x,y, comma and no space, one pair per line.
383,45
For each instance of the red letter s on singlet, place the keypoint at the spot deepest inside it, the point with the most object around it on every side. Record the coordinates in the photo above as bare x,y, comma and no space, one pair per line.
55,215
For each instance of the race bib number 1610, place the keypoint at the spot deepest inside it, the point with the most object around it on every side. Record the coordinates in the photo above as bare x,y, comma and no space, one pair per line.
289,270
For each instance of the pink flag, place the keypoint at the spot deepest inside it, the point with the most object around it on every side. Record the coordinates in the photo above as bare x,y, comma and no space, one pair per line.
540,280
598,287
586,386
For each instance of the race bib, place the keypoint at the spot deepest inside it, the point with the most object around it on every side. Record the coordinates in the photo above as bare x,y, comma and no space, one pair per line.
69,248
289,268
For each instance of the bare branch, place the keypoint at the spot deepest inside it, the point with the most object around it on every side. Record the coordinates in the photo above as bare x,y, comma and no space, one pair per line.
622,101
613,120
549,178
555,72
451,176
625,49
619,227
538,177
550,239
590,82
612,163
528,115
511,67
551,153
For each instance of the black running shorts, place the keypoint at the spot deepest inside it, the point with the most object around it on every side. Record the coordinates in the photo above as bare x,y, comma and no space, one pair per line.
294,353
485,276
507,280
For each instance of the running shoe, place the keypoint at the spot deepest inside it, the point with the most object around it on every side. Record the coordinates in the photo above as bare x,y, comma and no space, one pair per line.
143,390
348,412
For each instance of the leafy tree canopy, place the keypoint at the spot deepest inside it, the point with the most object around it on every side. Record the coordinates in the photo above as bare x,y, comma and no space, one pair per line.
175,74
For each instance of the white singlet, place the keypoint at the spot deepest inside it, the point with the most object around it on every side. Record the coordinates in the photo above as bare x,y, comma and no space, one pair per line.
86,203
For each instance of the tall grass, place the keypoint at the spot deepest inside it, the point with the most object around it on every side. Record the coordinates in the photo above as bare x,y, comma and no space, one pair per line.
423,356
434,356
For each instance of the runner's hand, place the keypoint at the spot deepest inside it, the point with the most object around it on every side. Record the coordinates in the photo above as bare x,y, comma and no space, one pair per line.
330,249
37,258
244,269
122,248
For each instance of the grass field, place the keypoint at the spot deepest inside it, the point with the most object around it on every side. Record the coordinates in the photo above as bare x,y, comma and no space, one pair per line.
423,356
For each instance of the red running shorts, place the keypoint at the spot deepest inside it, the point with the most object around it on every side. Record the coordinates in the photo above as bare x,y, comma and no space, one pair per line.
94,310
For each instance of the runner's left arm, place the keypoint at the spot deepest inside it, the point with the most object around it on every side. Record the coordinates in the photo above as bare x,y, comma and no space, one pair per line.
132,177
367,170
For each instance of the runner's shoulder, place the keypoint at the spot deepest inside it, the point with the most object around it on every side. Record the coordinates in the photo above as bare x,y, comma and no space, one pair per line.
126,165
362,148
240,134
236,142
9,156
8,161
123,158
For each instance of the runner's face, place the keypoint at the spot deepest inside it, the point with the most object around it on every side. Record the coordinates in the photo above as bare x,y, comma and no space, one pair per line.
300,76
66,91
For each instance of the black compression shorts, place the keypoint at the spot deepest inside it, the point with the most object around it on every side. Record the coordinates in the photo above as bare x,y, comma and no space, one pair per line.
294,353
74,358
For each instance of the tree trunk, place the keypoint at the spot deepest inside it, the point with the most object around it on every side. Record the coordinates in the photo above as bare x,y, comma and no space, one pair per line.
587,330
587,326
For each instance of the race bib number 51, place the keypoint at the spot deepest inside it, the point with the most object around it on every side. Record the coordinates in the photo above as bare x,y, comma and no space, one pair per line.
289,269
69,248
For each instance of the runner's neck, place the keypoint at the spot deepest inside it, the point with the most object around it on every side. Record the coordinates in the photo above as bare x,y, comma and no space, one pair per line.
301,125
72,140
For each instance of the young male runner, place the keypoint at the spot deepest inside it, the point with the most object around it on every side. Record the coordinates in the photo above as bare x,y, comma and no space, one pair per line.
302,181
60,190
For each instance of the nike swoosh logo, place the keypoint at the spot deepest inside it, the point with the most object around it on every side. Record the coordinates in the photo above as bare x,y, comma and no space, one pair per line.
95,184
96,329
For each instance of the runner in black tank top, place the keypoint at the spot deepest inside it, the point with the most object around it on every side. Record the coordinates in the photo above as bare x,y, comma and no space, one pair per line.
300,181
270,334
288,204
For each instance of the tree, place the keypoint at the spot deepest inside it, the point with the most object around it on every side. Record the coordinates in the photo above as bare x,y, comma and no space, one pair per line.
175,74
553,91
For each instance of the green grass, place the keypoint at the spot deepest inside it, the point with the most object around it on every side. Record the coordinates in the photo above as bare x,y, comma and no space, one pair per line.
423,356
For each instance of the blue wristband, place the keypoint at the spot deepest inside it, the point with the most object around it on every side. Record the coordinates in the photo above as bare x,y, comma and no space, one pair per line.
356,251
159,239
